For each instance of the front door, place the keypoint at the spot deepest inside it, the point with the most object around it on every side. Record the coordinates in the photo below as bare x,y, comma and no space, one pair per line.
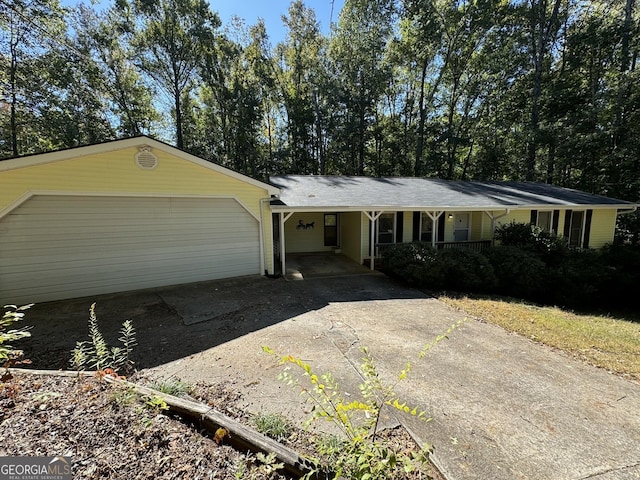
461,227
330,229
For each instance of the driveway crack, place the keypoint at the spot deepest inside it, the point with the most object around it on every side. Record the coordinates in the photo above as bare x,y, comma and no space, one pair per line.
610,470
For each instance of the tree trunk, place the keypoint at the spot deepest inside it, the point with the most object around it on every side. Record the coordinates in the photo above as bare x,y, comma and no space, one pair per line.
319,139
13,124
178,107
625,61
417,170
540,47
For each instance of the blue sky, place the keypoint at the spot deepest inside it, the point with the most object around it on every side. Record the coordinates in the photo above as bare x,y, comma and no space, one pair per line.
272,10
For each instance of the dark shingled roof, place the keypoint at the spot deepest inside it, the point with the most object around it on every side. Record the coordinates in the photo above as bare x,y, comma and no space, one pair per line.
307,191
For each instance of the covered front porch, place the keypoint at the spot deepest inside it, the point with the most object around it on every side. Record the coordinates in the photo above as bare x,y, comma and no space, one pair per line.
363,235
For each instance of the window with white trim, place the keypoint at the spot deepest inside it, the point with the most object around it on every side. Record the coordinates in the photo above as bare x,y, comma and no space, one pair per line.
545,220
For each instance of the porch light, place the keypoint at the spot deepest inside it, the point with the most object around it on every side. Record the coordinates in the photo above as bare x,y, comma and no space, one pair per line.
450,216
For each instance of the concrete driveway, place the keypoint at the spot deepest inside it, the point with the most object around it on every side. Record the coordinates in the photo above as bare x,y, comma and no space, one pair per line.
503,407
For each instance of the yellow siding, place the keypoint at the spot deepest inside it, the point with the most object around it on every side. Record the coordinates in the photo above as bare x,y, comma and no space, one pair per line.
365,234
476,226
117,173
350,235
518,216
300,240
487,233
603,225
407,226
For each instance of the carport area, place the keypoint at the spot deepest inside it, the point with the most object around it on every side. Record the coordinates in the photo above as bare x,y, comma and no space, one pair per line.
503,407
320,264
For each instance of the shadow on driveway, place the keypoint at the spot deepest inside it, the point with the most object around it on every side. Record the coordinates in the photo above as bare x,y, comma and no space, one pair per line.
178,321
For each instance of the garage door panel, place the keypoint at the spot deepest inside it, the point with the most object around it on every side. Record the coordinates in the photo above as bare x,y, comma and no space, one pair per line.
62,247
120,274
119,245
99,261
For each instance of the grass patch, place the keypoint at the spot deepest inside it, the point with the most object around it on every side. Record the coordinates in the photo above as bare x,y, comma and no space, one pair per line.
272,425
607,342
172,386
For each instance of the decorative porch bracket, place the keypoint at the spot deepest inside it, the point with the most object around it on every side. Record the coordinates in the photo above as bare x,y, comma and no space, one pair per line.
373,216
284,216
493,223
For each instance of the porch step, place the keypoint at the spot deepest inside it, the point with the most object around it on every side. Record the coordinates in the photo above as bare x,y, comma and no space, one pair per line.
293,275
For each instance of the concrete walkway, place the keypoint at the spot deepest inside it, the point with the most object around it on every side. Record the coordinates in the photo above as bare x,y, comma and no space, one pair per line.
503,407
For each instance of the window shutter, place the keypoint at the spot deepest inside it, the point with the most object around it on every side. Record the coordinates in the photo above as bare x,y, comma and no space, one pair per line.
399,226
556,219
587,229
534,217
567,223
441,221
416,226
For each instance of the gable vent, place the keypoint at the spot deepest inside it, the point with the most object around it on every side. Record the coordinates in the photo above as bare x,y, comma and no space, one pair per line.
146,159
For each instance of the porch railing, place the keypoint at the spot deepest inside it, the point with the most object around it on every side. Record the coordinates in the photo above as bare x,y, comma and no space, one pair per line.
475,245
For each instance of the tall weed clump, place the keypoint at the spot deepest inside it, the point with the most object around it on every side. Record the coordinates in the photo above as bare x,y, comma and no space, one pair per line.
97,354
359,453
8,353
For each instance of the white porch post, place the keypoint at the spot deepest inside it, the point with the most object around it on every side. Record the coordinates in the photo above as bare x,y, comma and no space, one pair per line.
283,264
435,219
373,216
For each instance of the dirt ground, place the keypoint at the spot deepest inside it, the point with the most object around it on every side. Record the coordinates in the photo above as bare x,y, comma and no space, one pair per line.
111,433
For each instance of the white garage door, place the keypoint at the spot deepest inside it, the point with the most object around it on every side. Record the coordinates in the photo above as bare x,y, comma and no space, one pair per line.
55,247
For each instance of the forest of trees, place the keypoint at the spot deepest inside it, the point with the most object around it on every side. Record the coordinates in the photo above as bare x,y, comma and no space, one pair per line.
540,90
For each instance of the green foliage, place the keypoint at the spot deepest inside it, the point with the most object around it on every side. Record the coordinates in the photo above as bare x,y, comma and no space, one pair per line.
123,397
628,229
257,467
268,463
157,404
579,280
546,245
359,453
12,315
272,425
171,386
482,90
408,260
519,273
463,270
529,264
95,353
456,269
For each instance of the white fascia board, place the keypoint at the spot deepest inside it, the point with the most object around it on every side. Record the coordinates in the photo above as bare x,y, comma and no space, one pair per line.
396,208
101,148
